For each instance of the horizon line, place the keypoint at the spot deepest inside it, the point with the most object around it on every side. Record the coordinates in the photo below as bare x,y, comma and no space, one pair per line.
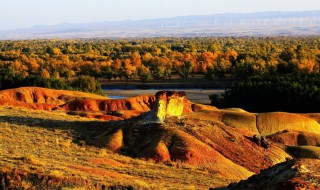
137,20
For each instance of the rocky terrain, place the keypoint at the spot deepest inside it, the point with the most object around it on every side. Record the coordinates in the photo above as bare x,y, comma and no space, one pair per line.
209,146
293,174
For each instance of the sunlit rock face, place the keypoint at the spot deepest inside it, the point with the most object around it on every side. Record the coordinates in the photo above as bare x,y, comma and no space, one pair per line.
168,103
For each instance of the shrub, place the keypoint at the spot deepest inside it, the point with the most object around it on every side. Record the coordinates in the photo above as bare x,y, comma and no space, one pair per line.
87,84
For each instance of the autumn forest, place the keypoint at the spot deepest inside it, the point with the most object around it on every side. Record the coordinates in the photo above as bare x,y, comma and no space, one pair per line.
160,58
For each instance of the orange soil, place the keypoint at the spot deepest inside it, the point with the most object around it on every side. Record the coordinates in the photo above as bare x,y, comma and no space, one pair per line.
34,106
100,106
137,103
44,95
206,136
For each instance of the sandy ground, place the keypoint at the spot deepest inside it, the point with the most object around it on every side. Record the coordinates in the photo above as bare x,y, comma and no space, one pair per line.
198,96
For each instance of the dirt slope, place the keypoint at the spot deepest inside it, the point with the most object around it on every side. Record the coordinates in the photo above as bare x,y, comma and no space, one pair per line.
141,103
44,95
76,103
270,123
168,129
188,139
296,138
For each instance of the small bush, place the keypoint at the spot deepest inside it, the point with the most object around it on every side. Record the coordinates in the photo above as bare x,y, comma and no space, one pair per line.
87,84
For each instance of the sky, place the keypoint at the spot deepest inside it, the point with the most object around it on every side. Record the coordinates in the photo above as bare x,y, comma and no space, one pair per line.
16,14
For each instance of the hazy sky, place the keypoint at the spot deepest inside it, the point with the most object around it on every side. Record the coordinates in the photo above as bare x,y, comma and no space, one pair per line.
27,13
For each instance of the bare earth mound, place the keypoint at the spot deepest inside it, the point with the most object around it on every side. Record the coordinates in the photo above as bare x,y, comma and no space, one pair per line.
76,103
296,138
270,123
44,95
214,146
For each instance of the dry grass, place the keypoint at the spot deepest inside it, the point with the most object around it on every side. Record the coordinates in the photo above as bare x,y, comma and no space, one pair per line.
232,117
240,119
114,141
47,143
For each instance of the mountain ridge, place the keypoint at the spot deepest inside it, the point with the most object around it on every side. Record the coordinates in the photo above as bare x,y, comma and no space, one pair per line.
227,24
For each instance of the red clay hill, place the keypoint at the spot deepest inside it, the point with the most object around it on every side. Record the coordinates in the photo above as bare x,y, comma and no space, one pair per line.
74,102
167,128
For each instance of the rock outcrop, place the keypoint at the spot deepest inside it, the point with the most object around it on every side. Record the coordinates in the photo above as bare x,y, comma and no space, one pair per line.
77,103
167,103
293,174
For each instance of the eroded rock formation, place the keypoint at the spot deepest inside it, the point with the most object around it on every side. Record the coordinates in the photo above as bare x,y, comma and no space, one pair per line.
169,128
168,103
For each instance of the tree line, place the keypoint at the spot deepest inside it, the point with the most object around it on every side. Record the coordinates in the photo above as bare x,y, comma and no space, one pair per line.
161,58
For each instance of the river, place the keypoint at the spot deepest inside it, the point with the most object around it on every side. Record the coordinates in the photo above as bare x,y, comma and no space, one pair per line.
195,95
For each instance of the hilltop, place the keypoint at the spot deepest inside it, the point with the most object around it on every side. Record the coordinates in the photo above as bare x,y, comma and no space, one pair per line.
90,141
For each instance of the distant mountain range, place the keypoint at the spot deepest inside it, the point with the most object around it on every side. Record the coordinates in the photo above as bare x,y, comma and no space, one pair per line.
239,24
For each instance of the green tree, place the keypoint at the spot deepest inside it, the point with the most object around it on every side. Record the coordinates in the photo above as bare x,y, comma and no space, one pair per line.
87,84
144,73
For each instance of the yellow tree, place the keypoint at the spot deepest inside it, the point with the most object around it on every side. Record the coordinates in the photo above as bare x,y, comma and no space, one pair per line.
146,58
18,68
30,63
45,74
183,64
231,55
117,68
307,65
129,70
144,73
136,59
207,59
